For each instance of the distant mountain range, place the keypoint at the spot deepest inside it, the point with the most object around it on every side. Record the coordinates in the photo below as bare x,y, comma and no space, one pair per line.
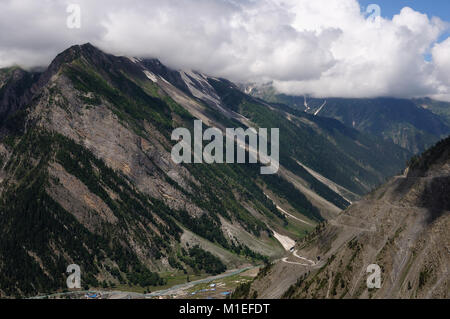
86,175
412,124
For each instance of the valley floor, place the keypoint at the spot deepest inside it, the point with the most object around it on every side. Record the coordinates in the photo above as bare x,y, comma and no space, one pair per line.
212,287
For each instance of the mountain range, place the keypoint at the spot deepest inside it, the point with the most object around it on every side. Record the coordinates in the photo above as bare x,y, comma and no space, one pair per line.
413,124
86,174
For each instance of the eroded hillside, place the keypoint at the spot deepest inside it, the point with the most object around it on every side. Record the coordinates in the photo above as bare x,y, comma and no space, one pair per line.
402,227
86,175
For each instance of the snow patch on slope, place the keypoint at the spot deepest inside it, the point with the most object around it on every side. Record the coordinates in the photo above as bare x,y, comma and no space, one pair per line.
320,108
285,241
151,76
205,92
134,60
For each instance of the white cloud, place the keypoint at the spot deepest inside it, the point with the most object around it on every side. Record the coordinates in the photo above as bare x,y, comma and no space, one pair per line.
322,48
441,60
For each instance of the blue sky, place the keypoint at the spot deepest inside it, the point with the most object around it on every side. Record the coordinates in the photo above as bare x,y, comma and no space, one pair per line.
440,8
389,8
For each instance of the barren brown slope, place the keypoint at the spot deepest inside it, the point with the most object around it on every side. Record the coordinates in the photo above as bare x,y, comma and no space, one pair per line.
403,227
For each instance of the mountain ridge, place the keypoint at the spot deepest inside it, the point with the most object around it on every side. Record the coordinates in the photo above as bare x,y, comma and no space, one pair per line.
86,175
401,227
411,124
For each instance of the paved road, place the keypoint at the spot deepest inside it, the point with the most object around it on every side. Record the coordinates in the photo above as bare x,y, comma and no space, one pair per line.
309,264
196,282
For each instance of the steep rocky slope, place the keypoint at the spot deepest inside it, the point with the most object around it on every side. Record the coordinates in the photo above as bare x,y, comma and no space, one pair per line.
86,175
402,227
86,178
